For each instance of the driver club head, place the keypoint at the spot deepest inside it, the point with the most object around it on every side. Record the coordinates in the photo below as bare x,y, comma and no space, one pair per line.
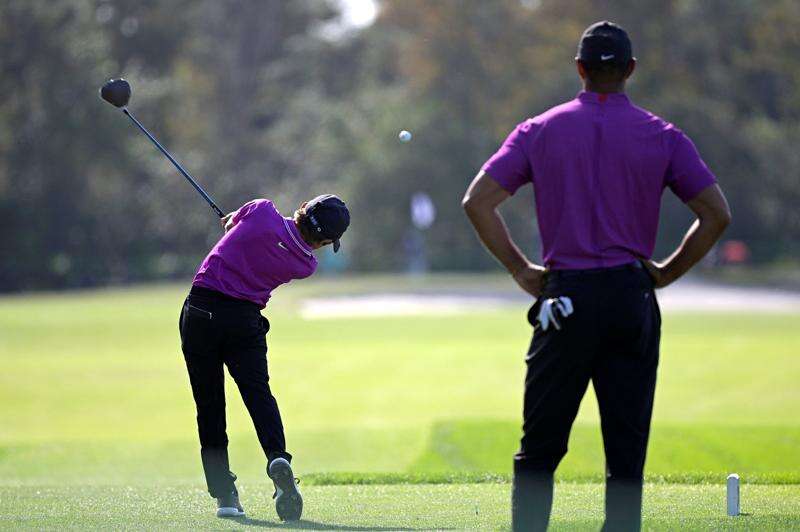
117,92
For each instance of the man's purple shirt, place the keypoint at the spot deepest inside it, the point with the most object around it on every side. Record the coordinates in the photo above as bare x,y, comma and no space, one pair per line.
598,165
262,251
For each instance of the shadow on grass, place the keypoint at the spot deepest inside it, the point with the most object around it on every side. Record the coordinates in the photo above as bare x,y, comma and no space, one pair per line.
305,524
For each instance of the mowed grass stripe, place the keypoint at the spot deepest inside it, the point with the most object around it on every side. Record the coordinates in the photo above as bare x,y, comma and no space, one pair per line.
705,453
465,451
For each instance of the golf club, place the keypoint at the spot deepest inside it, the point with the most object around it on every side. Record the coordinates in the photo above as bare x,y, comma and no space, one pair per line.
117,92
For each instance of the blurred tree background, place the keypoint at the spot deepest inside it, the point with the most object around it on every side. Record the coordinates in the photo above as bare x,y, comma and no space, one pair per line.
280,99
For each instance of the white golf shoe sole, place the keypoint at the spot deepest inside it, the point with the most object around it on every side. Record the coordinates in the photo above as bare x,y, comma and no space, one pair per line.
288,501
229,511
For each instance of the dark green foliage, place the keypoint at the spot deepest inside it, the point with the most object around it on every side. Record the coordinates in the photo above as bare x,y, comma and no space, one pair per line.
255,99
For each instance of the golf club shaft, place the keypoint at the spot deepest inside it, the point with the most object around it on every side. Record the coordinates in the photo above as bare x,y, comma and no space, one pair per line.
177,165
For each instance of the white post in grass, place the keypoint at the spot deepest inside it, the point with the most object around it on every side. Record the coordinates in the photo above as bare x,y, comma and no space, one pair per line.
733,495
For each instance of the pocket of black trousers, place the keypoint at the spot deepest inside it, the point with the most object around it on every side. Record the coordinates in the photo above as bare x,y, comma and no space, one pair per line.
199,312
264,324
533,312
650,279
197,329
656,307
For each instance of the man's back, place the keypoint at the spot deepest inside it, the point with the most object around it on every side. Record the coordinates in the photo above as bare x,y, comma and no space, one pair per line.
599,165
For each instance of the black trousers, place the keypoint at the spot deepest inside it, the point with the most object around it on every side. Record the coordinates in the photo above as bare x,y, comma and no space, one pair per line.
612,338
216,330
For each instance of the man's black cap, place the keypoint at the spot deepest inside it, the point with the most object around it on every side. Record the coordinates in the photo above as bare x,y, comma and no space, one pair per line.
328,217
605,42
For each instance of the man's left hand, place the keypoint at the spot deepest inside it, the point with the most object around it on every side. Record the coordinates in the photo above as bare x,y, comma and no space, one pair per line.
657,273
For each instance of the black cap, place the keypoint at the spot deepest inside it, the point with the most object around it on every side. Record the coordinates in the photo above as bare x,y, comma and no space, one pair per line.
605,42
328,217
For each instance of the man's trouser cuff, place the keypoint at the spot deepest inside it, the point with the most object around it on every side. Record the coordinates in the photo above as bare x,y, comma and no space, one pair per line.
531,496
219,478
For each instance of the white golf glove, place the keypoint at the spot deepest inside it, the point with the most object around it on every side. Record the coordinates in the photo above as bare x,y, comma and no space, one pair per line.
552,309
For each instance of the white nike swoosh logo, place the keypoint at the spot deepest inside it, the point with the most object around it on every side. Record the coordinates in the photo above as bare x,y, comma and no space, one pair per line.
282,246
606,57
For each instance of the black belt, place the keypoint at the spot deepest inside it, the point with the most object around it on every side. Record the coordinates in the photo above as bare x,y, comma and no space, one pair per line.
565,274
208,293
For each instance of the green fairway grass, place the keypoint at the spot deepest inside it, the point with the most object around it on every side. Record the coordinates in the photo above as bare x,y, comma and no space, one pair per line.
93,393
392,507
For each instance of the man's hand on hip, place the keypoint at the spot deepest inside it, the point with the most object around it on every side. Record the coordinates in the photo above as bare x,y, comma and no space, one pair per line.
656,272
480,203
531,279
713,216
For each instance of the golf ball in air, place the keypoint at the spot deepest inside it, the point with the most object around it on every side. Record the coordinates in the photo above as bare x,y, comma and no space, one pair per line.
404,136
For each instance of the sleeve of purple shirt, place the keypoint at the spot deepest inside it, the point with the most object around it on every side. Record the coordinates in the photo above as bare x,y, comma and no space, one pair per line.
244,210
509,166
687,174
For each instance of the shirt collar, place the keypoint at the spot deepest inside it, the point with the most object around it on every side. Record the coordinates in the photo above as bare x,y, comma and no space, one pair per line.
297,238
612,98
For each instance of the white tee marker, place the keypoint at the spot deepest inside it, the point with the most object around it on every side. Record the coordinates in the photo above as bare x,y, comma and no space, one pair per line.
733,495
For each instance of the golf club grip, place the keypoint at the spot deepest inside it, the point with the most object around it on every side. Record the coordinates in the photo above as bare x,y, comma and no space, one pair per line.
197,187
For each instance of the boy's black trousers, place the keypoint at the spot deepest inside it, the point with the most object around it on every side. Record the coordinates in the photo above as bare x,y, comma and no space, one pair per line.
612,338
215,330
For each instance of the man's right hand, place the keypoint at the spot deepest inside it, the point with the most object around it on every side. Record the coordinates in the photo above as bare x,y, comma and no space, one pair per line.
531,279
480,203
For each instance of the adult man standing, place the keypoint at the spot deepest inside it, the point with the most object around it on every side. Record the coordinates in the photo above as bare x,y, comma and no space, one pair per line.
598,165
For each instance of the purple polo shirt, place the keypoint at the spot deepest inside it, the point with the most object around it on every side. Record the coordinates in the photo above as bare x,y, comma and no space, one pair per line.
598,165
262,251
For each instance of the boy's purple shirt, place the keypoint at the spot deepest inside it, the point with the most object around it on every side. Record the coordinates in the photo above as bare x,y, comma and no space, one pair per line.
598,165
262,251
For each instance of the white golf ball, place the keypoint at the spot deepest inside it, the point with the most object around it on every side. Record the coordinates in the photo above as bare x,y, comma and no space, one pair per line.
404,136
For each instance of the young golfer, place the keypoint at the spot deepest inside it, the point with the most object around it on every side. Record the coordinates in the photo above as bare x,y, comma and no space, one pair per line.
221,324
598,165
